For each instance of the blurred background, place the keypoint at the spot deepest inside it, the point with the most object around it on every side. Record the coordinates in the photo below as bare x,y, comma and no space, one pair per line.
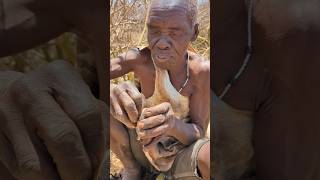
128,30
63,47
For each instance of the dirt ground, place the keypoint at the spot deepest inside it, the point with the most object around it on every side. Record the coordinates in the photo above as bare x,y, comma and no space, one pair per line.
116,165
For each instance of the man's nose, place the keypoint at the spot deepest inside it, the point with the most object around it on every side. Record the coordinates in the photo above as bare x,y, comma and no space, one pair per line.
163,44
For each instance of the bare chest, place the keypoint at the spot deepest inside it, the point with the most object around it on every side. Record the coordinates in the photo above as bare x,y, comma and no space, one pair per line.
147,79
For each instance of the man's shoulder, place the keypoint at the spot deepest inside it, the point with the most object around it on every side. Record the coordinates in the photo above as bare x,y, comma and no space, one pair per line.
137,56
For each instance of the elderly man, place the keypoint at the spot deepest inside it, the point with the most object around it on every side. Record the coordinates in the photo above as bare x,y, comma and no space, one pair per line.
171,27
51,124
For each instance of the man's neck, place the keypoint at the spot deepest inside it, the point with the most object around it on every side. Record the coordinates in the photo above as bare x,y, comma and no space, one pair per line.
178,74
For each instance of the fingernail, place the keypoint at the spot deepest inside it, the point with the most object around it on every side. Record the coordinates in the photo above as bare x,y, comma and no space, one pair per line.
140,125
147,112
141,134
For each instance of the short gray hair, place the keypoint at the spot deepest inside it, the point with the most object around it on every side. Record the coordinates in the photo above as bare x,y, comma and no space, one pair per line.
191,7
193,11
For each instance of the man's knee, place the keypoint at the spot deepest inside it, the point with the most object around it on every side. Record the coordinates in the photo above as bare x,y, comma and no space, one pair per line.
116,126
119,136
204,153
203,160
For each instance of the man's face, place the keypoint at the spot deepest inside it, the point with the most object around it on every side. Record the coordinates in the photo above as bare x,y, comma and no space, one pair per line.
169,33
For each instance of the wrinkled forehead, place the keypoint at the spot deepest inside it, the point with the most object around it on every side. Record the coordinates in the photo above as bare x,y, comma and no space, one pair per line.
174,13
172,8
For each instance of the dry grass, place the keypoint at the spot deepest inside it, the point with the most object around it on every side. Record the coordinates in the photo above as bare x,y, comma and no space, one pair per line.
63,47
116,165
127,30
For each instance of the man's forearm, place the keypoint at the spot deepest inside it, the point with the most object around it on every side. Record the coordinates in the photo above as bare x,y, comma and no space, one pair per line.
186,133
117,69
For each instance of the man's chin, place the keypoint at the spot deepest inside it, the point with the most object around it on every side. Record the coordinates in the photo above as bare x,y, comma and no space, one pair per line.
162,60
163,63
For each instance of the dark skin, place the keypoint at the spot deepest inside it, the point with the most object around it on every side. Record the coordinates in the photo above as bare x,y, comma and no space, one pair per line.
33,135
279,85
30,141
169,33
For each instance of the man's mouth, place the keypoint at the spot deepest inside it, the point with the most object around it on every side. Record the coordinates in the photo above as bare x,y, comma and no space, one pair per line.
162,57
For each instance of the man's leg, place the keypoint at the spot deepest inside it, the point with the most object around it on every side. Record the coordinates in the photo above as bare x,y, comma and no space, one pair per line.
193,162
204,161
120,145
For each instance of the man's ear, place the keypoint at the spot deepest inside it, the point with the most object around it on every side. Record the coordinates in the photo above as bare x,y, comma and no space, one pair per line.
195,32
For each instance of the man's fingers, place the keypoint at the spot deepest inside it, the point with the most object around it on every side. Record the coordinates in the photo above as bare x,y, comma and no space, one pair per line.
116,108
156,110
92,124
151,122
7,156
128,104
18,136
21,143
23,160
118,112
154,132
62,138
126,96
90,115
137,97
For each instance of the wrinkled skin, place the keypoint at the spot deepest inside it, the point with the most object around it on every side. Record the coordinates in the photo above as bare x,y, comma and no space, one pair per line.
43,106
129,96
280,85
169,32
56,117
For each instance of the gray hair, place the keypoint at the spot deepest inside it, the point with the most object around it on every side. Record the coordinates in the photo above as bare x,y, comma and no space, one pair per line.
191,7
192,10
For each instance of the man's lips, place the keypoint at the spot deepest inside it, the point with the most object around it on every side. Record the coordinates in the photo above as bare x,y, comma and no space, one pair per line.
162,57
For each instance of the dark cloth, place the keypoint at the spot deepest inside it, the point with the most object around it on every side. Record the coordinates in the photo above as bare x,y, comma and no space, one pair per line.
185,165
233,149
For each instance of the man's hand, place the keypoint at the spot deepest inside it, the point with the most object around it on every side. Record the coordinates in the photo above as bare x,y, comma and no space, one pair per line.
126,103
52,127
160,120
157,120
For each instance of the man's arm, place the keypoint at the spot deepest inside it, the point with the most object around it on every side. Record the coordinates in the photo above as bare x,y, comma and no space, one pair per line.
199,110
124,63
125,98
